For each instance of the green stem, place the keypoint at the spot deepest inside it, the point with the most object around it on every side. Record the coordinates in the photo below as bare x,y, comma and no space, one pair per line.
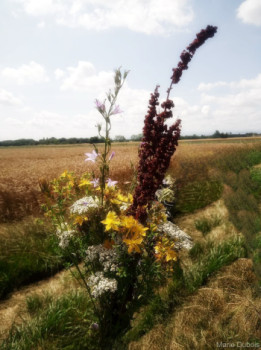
87,288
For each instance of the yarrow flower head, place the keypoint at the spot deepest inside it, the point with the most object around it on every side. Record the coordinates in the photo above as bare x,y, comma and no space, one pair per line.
64,234
91,156
84,204
108,258
100,284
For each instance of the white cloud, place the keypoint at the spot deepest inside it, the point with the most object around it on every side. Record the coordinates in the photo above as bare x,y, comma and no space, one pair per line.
59,73
14,122
46,119
41,25
254,83
209,86
7,98
250,12
42,7
236,109
146,16
84,77
205,109
26,74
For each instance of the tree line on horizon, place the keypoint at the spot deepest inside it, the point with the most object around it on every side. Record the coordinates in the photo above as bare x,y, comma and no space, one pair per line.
118,138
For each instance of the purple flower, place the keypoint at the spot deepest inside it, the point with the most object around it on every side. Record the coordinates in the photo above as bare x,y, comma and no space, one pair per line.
116,110
95,182
112,155
111,183
99,105
91,156
94,326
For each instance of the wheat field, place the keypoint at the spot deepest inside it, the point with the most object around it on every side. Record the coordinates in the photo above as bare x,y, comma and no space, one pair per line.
23,167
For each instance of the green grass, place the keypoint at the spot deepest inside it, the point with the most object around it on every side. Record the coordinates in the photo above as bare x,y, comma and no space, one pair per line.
242,199
205,224
198,194
63,323
28,252
213,258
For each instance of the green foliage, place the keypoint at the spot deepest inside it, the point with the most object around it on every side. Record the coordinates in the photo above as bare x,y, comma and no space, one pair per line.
196,250
28,254
242,199
206,224
203,225
217,256
64,323
198,194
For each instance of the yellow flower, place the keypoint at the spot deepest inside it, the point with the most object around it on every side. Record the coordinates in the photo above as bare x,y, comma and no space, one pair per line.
84,182
64,174
111,222
80,220
170,255
121,199
164,251
133,243
133,227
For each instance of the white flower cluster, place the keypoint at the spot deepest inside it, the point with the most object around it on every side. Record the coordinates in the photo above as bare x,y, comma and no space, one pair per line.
84,204
107,257
182,239
100,284
64,235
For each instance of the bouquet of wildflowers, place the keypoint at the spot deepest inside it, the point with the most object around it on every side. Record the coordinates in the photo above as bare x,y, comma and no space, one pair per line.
116,234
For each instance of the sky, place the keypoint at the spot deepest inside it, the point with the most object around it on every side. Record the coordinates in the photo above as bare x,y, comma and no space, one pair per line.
58,56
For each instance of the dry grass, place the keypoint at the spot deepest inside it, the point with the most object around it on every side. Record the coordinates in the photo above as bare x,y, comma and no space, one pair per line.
226,310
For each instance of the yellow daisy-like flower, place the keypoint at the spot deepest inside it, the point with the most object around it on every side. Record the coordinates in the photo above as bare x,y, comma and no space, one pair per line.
170,255
133,243
120,199
80,220
133,227
111,222
84,182
64,174
70,183
165,251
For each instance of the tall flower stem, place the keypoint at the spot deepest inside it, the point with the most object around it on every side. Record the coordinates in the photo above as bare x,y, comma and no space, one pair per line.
159,141
106,114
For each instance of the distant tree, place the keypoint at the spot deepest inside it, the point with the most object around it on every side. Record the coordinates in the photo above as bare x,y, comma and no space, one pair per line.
137,137
95,139
216,134
119,138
